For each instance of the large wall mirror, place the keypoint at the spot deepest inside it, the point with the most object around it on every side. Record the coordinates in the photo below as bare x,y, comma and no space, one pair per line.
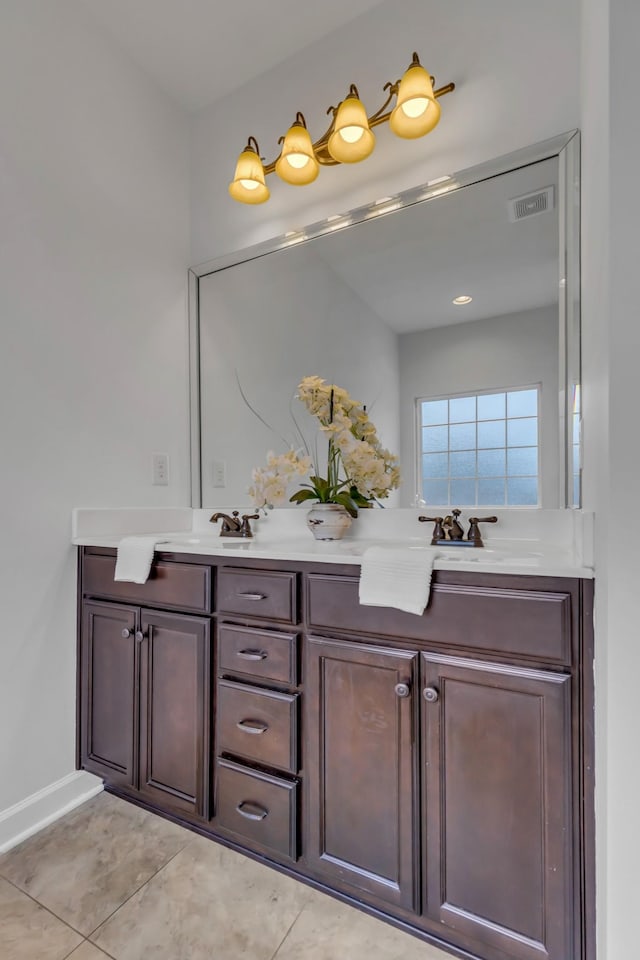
480,399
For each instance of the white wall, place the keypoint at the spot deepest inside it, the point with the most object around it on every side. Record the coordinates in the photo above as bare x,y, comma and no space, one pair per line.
275,320
516,70
507,351
611,346
93,365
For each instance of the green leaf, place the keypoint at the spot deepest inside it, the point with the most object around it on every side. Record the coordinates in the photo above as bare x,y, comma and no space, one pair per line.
320,484
345,500
359,499
301,495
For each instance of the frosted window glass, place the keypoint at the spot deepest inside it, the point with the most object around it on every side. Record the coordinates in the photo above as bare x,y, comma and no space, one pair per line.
522,433
434,439
435,465
491,434
462,464
522,403
462,436
522,462
436,491
481,450
463,492
491,492
462,409
491,463
434,411
491,406
522,492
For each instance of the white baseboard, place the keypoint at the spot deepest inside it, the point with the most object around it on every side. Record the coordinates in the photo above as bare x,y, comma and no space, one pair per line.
42,808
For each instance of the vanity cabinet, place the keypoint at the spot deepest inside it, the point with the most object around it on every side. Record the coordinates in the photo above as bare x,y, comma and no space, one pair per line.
257,736
435,771
362,777
497,804
144,717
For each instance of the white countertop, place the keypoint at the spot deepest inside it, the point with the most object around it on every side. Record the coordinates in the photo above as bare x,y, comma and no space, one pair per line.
287,540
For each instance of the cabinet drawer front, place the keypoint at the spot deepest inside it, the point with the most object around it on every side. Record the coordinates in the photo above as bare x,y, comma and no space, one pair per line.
527,623
185,586
262,654
258,724
257,807
269,595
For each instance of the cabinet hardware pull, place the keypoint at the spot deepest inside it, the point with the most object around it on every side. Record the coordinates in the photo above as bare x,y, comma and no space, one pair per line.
139,636
253,596
252,811
431,695
126,633
402,689
252,726
251,654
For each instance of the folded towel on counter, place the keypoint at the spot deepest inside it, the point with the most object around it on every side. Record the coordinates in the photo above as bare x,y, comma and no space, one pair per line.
397,577
135,556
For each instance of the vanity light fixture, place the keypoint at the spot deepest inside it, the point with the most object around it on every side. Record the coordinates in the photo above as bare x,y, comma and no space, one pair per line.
348,139
461,301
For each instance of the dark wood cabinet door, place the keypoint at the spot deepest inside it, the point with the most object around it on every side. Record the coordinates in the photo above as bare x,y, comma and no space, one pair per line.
361,768
174,713
498,805
109,691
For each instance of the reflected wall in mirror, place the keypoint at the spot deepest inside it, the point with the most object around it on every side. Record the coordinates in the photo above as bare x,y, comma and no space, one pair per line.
480,399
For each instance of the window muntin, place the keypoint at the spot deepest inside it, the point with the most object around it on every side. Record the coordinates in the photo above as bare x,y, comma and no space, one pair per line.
480,449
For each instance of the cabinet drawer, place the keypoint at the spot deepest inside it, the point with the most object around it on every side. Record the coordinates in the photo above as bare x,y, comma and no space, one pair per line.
258,724
262,654
270,595
527,623
185,586
258,807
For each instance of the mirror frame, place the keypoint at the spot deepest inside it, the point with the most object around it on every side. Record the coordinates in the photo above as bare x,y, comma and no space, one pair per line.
566,147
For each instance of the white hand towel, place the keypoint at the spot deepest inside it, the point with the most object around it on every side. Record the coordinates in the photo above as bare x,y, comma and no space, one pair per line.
135,556
397,577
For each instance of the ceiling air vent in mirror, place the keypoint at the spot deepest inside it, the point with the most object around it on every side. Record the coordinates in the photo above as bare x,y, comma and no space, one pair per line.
531,204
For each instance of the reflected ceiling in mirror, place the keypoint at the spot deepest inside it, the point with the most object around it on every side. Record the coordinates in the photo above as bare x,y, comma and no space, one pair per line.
370,306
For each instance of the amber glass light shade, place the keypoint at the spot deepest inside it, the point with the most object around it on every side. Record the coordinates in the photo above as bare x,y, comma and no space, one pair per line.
352,139
248,184
417,111
297,162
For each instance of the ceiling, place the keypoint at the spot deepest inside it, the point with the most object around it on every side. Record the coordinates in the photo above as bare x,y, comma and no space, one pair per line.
408,266
200,50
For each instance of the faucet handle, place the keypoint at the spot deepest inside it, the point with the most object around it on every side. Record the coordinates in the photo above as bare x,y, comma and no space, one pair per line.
474,530
245,530
438,530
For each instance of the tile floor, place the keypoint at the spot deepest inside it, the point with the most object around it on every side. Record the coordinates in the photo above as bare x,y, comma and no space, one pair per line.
112,881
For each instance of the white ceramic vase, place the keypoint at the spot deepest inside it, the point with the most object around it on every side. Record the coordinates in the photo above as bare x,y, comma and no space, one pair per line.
328,521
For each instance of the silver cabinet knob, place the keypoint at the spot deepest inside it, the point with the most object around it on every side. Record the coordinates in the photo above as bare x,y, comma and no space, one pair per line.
126,633
402,690
431,695
139,636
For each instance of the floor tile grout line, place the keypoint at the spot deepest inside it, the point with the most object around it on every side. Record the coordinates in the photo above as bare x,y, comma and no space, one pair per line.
137,890
69,956
80,933
46,909
297,917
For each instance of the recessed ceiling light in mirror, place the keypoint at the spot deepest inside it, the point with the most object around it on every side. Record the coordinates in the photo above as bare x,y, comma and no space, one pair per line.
460,301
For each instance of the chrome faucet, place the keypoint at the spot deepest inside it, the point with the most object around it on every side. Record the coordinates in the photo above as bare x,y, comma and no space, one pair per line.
232,526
